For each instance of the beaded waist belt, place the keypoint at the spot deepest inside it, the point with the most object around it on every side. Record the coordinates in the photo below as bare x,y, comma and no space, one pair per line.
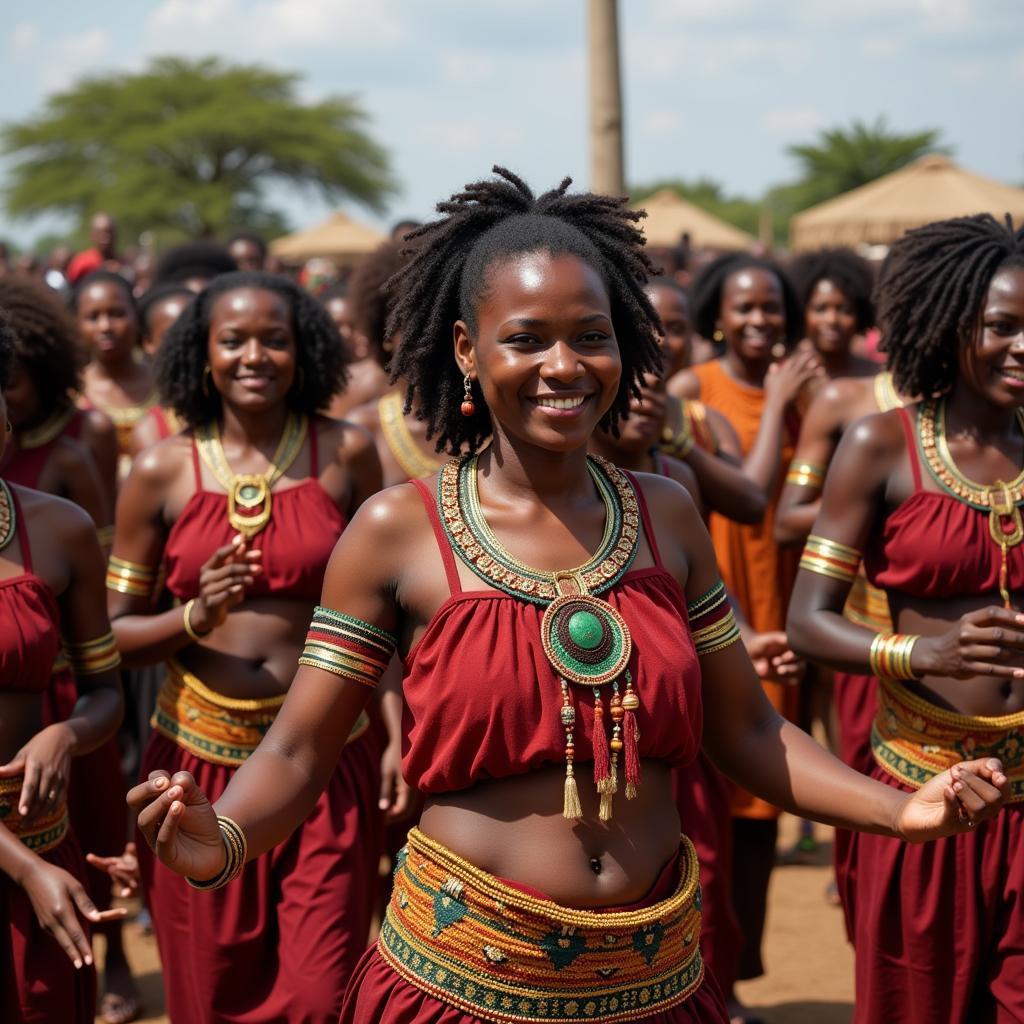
474,942
913,740
867,605
43,831
219,729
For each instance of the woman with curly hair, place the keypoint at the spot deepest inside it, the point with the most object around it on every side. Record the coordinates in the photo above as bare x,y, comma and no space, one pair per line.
243,508
51,572
931,494
539,885
118,378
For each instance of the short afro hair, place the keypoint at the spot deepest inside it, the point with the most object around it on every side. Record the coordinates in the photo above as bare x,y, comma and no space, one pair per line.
447,276
846,270
6,351
183,357
201,258
710,284
370,298
103,277
157,294
45,339
930,295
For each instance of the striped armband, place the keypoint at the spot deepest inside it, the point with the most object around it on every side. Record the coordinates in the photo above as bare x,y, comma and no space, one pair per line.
94,656
712,623
828,558
347,647
804,474
130,578
889,657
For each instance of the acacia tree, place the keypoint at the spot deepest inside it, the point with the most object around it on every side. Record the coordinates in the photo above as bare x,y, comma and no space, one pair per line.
189,147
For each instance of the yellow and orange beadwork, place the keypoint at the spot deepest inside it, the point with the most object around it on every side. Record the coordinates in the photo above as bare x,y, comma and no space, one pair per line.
44,830
491,950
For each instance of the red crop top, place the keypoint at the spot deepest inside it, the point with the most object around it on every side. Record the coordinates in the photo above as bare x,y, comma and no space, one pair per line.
296,543
482,700
26,465
933,544
29,623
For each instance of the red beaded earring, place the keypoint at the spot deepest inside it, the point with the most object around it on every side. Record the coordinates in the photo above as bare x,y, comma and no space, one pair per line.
468,407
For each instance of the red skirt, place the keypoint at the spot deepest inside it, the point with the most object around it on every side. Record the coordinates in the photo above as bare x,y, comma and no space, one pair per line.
38,983
939,927
280,943
702,798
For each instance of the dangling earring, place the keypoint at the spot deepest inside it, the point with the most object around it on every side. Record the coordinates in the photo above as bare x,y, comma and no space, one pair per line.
468,406
207,377
718,337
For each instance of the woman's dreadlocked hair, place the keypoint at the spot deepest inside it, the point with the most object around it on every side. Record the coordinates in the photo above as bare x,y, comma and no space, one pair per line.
931,291
446,278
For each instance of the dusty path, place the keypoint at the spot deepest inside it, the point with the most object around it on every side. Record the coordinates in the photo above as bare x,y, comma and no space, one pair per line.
810,967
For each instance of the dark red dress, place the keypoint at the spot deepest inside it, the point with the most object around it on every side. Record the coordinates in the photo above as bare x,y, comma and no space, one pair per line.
280,943
482,702
939,927
38,983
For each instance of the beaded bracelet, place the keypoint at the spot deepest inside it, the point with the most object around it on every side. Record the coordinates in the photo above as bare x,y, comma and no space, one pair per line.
712,622
236,849
347,646
132,578
889,657
93,656
804,474
830,558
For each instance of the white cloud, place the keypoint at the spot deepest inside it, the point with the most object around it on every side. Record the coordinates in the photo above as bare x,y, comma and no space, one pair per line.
24,38
790,122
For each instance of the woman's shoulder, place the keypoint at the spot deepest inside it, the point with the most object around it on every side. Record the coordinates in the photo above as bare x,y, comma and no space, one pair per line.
53,517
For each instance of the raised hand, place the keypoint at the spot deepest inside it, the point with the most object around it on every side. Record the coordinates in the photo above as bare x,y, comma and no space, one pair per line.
989,641
57,899
785,380
223,581
123,868
179,824
955,800
45,761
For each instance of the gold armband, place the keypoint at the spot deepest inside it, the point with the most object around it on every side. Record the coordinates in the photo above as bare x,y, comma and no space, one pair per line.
890,655
803,474
105,535
94,656
130,578
236,848
829,558
712,622
347,646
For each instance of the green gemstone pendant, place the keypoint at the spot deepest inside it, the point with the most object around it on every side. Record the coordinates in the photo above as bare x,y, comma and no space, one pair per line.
585,630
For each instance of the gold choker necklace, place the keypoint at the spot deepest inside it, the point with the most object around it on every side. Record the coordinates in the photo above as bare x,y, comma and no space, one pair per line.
52,427
249,497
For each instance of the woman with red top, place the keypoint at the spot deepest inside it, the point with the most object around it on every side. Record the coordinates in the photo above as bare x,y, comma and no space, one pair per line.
242,509
51,570
118,379
545,706
931,493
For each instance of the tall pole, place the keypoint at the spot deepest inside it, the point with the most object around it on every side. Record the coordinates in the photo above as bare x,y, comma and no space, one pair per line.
606,164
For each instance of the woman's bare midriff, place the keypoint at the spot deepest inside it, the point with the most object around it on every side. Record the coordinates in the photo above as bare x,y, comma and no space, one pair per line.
513,828
980,695
255,652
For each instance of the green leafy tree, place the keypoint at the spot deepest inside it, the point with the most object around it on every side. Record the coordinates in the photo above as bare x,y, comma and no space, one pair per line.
841,159
189,148
709,195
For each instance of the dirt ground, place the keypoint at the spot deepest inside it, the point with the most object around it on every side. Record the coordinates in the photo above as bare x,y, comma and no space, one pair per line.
809,964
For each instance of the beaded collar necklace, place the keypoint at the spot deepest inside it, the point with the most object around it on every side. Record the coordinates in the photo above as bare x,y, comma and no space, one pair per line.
1000,500
585,639
53,426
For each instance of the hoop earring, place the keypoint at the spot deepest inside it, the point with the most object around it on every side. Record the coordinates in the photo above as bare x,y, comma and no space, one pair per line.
207,377
468,407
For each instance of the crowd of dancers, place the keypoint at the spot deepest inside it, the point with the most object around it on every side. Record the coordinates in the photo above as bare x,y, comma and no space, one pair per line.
517,563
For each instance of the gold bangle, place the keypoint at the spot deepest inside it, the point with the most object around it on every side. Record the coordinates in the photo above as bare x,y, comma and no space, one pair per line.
236,850
890,656
188,625
804,474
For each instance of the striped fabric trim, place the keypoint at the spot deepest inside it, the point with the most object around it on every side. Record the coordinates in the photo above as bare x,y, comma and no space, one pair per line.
347,646
94,656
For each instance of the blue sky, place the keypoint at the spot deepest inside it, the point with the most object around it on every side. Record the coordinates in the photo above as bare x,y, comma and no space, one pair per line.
712,87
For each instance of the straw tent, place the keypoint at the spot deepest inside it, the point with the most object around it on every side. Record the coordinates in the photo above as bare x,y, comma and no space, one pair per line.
931,188
669,217
339,238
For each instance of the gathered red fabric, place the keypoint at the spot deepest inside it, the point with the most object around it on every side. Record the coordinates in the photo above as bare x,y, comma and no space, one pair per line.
482,701
29,622
934,543
296,543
